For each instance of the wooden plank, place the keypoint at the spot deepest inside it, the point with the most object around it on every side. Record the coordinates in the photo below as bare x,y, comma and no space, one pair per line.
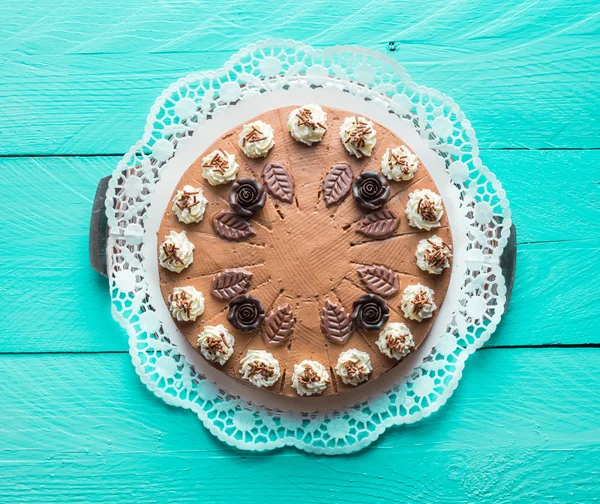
54,302
83,80
51,298
554,195
551,296
521,426
72,308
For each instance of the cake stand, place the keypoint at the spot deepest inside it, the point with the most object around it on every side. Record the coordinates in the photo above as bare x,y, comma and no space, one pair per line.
185,119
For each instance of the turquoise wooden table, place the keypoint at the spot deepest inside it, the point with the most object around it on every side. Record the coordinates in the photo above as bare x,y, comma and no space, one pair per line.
77,79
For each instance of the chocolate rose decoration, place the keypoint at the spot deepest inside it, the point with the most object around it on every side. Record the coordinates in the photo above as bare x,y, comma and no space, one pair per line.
245,313
371,190
370,313
247,196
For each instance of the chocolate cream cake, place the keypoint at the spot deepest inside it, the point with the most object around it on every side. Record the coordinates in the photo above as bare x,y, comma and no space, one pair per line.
306,252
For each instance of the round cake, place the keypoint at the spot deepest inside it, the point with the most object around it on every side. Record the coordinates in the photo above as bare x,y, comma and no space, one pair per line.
306,252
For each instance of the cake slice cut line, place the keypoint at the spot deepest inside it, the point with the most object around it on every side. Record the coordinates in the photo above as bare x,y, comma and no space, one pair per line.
407,234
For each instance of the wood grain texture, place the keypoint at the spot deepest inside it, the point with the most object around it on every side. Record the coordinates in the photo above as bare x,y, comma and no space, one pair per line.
80,77
83,428
83,80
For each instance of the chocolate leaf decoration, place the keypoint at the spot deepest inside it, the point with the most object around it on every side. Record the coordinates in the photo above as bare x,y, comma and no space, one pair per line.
278,326
379,279
336,324
379,224
232,226
337,184
230,283
278,182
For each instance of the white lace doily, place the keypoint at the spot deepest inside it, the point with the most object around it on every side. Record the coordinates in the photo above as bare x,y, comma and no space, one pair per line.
275,66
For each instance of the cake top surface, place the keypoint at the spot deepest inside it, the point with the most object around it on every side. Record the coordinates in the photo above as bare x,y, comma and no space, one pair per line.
321,253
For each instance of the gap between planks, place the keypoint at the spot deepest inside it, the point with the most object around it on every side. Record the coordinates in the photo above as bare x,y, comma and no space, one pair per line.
121,154
490,347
